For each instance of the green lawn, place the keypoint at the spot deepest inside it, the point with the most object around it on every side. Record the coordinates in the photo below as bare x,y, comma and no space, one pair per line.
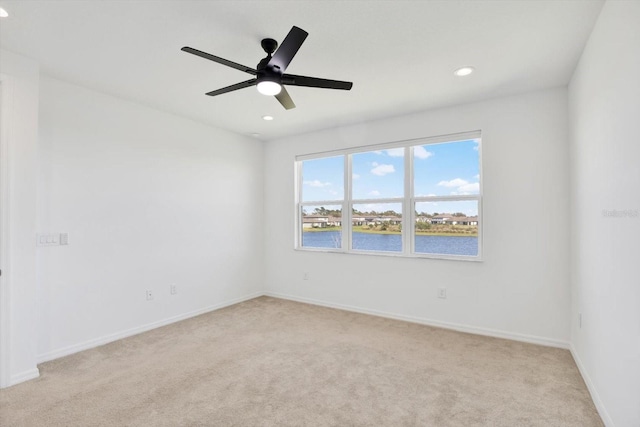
374,231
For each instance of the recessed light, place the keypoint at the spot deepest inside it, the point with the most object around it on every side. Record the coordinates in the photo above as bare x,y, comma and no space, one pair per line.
464,71
3,13
267,118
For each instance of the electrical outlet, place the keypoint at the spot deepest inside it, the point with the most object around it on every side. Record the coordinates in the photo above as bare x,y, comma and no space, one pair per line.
64,239
442,293
305,276
173,289
149,294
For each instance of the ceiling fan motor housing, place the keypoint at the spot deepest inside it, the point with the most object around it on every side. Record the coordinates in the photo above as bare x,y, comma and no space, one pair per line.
268,73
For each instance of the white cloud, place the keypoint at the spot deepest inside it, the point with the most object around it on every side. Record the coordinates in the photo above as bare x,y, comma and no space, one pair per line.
458,182
463,187
379,207
418,152
316,183
477,177
472,187
374,193
382,170
396,152
421,153
356,176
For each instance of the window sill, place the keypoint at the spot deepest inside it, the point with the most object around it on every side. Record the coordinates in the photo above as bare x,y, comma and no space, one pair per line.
394,254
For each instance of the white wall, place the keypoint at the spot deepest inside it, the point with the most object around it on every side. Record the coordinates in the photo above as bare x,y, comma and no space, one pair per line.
17,298
149,199
521,290
604,102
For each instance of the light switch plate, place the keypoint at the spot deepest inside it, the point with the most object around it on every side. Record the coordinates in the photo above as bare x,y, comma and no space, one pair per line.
52,239
48,239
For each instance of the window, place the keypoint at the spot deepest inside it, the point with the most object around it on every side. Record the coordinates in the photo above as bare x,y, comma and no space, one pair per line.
419,198
322,199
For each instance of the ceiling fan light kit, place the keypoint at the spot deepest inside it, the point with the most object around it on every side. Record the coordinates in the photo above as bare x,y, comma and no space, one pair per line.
268,87
270,78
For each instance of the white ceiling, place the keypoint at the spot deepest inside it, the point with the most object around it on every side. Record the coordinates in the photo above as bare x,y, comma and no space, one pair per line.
399,54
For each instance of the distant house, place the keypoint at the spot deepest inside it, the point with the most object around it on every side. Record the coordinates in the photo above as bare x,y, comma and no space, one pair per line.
370,220
469,220
315,221
375,220
453,220
462,220
334,221
358,220
393,220
441,219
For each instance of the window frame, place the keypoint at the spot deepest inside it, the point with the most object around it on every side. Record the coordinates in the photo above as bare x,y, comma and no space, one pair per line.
408,201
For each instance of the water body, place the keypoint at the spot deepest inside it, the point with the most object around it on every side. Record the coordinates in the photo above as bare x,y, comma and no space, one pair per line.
444,245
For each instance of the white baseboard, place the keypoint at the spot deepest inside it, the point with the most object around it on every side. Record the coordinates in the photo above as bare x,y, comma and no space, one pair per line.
604,414
24,376
532,339
549,342
95,342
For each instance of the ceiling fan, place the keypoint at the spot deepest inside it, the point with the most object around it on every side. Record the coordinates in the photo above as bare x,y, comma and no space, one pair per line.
270,77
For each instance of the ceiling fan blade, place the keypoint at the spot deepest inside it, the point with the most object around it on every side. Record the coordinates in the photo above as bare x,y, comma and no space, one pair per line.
285,99
293,80
288,48
231,88
219,60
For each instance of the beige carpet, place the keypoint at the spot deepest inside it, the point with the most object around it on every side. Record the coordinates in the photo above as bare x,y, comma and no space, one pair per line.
271,362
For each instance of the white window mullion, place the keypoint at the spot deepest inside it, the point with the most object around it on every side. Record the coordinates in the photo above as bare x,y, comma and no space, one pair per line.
298,207
322,202
480,199
480,222
367,201
346,205
407,215
446,198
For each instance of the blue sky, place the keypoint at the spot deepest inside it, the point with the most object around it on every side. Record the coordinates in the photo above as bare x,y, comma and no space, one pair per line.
439,169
